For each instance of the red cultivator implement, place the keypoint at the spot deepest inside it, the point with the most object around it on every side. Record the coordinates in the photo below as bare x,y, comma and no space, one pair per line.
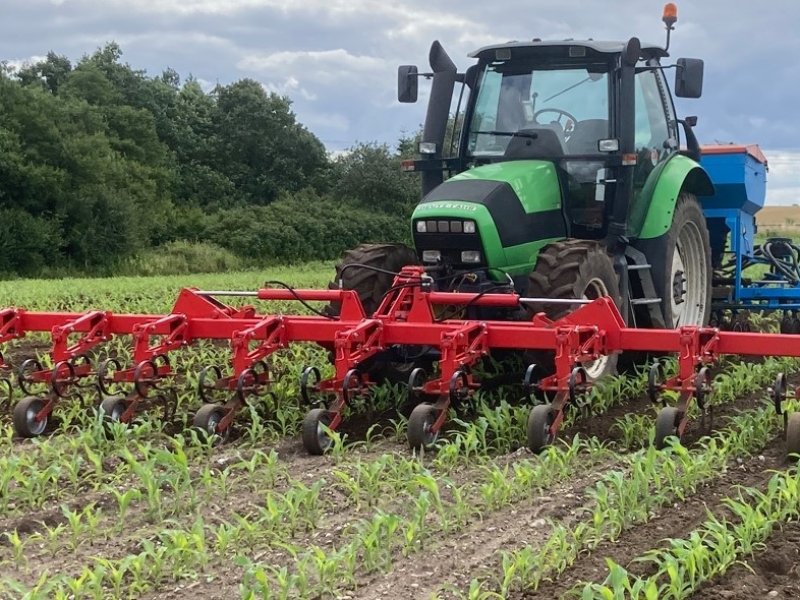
405,318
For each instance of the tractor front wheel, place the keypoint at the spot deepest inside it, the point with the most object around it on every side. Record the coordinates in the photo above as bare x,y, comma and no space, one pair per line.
369,270
580,269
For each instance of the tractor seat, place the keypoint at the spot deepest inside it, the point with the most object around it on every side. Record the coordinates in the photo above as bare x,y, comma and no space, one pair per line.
547,144
585,136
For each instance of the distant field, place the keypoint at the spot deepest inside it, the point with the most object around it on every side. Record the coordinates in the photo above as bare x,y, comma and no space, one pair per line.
779,218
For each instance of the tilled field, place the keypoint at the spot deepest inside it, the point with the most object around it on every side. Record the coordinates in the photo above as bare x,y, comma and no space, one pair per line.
155,511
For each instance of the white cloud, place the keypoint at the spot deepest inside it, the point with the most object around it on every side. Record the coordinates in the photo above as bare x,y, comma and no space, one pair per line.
329,64
783,180
15,64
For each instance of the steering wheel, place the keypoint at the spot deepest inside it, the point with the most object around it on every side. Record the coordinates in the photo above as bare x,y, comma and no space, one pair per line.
568,126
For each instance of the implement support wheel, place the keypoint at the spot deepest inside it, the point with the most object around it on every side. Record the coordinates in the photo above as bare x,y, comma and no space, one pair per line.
207,419
421,435
666,425
315,439
793,434
540,420
113,407
25,423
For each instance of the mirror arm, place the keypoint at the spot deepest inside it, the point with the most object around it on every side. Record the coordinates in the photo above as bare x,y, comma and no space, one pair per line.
692,145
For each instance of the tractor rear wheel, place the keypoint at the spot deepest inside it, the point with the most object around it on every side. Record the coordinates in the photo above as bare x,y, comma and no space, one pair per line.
681,268
579,269
372,283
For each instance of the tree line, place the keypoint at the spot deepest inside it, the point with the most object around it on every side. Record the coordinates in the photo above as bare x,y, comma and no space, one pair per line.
103,168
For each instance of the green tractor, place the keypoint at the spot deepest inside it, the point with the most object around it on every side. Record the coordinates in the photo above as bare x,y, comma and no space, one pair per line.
566,180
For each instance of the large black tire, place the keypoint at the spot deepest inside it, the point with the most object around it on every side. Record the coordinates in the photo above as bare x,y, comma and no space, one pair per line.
371,285
575,269
666,426
24,417
793,435
688,236
315,439
420,434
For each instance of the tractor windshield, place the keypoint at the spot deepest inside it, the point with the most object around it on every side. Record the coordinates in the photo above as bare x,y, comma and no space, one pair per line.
571,101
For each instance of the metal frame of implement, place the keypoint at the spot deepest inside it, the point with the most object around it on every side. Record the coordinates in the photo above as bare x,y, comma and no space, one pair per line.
406,317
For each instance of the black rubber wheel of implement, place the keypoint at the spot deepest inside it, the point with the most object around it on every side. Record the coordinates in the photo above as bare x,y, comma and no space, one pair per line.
372,286
793,434
25,423
316,440
666,425
113,407
574,269
540,420
207,419
420,433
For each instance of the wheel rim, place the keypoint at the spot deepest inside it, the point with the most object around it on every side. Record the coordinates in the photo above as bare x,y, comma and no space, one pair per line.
213,422
117,411
596,288
34,426
428,434
322,436
688,281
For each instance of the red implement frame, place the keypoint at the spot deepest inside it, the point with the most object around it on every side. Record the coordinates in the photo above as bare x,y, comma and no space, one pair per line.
406,317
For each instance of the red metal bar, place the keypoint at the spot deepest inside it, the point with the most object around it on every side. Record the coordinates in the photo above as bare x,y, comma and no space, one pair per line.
405,317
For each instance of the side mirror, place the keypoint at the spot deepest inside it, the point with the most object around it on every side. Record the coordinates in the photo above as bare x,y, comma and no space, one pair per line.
689,78
632,52
407,85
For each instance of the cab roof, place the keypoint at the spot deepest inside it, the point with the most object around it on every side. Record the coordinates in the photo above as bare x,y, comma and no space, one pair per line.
602,47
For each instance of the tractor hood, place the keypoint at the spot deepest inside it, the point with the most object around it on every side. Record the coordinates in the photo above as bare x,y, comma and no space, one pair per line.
516,207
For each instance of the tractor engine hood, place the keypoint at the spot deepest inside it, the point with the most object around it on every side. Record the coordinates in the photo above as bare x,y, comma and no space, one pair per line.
516,208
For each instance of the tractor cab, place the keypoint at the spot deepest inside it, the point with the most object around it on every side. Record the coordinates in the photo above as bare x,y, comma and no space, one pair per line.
557,101
560,142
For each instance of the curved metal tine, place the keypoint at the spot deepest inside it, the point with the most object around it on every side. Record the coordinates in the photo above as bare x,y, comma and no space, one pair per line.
578,379
528,382
459,393
23,379
105,377
778,392
308,373
245,384
418,374
701,386
170,401
353,375
159,381
208,382
80,361
61,386
144,381
654,380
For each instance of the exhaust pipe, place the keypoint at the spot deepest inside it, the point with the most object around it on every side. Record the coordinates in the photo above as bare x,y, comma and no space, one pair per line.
444,80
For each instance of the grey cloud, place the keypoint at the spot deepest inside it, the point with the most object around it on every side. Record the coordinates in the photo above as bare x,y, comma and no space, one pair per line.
336,58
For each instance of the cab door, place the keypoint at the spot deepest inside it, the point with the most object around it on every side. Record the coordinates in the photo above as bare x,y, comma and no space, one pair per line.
656,127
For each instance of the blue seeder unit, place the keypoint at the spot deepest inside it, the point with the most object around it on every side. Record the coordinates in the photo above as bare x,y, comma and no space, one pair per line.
739,174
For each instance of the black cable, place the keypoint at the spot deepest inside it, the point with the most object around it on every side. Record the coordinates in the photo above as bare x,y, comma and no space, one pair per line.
368,268
300,300
472,301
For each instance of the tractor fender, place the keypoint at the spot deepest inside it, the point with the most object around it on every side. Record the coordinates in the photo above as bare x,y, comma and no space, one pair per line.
651,214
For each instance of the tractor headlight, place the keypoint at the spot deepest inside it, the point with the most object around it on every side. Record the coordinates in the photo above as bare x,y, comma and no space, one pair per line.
470,256
431,256
422,227
469,226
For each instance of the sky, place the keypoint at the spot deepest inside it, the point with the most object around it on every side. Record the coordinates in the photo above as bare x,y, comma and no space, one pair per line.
337,59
